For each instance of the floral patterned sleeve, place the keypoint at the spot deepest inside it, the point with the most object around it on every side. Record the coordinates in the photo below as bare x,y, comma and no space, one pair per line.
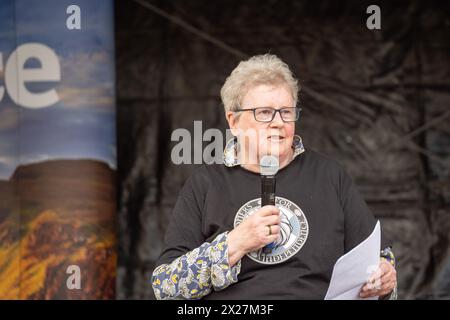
196,273
387,255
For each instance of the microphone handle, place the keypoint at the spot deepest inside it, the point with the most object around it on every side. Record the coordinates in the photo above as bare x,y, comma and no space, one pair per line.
268,186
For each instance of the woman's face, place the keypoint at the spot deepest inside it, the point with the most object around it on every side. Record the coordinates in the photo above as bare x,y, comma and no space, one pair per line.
262,138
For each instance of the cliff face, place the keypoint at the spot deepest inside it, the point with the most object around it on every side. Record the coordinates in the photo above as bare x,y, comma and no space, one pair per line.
66,183
7,199
56,214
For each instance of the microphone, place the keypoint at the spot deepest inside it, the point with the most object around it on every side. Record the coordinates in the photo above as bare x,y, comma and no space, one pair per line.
268,166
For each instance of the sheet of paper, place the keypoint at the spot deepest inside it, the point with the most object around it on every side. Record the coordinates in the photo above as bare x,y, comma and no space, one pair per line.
353,269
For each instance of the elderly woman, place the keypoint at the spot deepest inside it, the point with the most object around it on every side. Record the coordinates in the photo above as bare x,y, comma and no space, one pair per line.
218,232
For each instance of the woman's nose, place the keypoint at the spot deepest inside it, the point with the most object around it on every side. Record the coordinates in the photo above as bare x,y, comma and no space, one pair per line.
277,120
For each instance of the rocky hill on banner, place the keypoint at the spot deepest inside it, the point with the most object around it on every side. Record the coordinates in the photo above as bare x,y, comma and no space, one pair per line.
65,217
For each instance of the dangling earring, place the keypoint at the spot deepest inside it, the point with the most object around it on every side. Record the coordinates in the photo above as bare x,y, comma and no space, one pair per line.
230,158
297,145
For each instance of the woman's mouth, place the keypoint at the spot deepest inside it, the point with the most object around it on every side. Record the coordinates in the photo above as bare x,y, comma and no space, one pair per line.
275,138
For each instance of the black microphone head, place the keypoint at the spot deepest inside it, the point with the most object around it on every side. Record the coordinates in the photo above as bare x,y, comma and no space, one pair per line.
269,165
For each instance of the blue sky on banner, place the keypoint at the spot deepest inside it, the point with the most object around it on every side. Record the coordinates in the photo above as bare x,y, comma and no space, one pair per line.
81,125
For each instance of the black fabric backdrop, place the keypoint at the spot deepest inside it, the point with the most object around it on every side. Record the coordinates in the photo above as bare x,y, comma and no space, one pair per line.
363,91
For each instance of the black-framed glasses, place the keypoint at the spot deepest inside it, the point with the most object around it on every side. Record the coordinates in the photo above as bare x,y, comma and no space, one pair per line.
267,114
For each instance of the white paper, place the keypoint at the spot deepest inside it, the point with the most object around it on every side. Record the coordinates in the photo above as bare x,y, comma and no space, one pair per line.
353,269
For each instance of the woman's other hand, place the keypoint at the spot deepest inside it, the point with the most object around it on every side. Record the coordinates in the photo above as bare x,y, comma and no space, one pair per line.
381,282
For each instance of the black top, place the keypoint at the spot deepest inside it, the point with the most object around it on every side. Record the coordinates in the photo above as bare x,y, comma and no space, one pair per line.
324,217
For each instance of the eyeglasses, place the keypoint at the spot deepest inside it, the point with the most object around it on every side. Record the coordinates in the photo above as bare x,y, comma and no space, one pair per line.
267,114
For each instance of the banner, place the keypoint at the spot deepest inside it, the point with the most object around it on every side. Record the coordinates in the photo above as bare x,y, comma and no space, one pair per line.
57,150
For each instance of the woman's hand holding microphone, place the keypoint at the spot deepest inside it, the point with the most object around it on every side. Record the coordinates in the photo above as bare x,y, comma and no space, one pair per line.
255,232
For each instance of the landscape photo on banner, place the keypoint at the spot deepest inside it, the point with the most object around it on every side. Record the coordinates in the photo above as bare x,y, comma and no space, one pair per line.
57,150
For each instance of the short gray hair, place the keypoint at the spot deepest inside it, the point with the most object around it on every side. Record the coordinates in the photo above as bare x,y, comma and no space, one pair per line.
265,69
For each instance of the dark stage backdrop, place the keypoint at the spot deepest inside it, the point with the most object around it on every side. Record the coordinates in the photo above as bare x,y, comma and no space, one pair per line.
375,100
